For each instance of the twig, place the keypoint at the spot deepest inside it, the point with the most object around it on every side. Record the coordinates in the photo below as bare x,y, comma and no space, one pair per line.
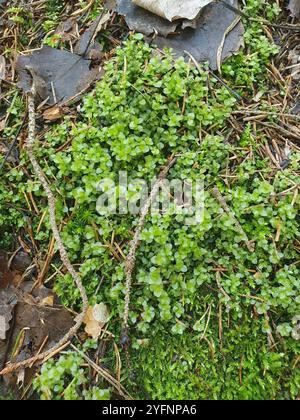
134,244
221,46
221,288
105,374
230,90
63,253
223,203
11,147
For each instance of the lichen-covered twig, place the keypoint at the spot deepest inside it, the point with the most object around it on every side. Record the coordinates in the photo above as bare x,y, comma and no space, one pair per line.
217,194
134,244
63,253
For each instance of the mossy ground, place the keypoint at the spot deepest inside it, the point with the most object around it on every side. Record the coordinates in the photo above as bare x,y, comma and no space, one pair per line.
191,338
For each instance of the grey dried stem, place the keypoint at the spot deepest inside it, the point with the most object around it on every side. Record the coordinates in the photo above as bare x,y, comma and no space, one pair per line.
30,145
134,244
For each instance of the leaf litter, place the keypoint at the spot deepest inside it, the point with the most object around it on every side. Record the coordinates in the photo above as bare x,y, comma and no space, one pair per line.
207,30
60,75
294,8
96,318
31,318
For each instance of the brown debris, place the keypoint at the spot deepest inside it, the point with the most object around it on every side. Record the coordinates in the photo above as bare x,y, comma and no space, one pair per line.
141,20
294,8
212,40
59,75
213,36
30,317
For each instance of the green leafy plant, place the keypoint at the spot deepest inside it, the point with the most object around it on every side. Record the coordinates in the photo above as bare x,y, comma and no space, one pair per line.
68,379
209,318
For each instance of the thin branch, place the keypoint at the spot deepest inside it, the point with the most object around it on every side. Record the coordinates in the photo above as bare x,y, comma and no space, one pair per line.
105,374
63,253
134,244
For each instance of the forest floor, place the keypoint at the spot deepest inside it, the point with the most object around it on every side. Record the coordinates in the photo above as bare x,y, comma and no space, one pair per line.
172,304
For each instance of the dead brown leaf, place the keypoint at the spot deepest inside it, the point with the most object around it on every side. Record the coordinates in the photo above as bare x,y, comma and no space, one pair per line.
53,114
96,318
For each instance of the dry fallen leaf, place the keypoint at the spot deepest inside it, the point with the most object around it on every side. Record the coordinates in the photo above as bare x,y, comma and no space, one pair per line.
294,8
96,317
173,9
101,313
2,67
218,35
7,303
140,20
86,41
47,301
53,113
58,75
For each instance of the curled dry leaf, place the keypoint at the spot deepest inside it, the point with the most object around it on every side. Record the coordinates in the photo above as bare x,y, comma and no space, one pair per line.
96,318
214,35
218,35
174,9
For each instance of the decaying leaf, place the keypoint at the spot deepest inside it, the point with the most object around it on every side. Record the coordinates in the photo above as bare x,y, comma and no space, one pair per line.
53,113
20,263
58,75
174,9
141,20
2,67
39,321
294,8
8,301
97,316
211,36
67,30
86,41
